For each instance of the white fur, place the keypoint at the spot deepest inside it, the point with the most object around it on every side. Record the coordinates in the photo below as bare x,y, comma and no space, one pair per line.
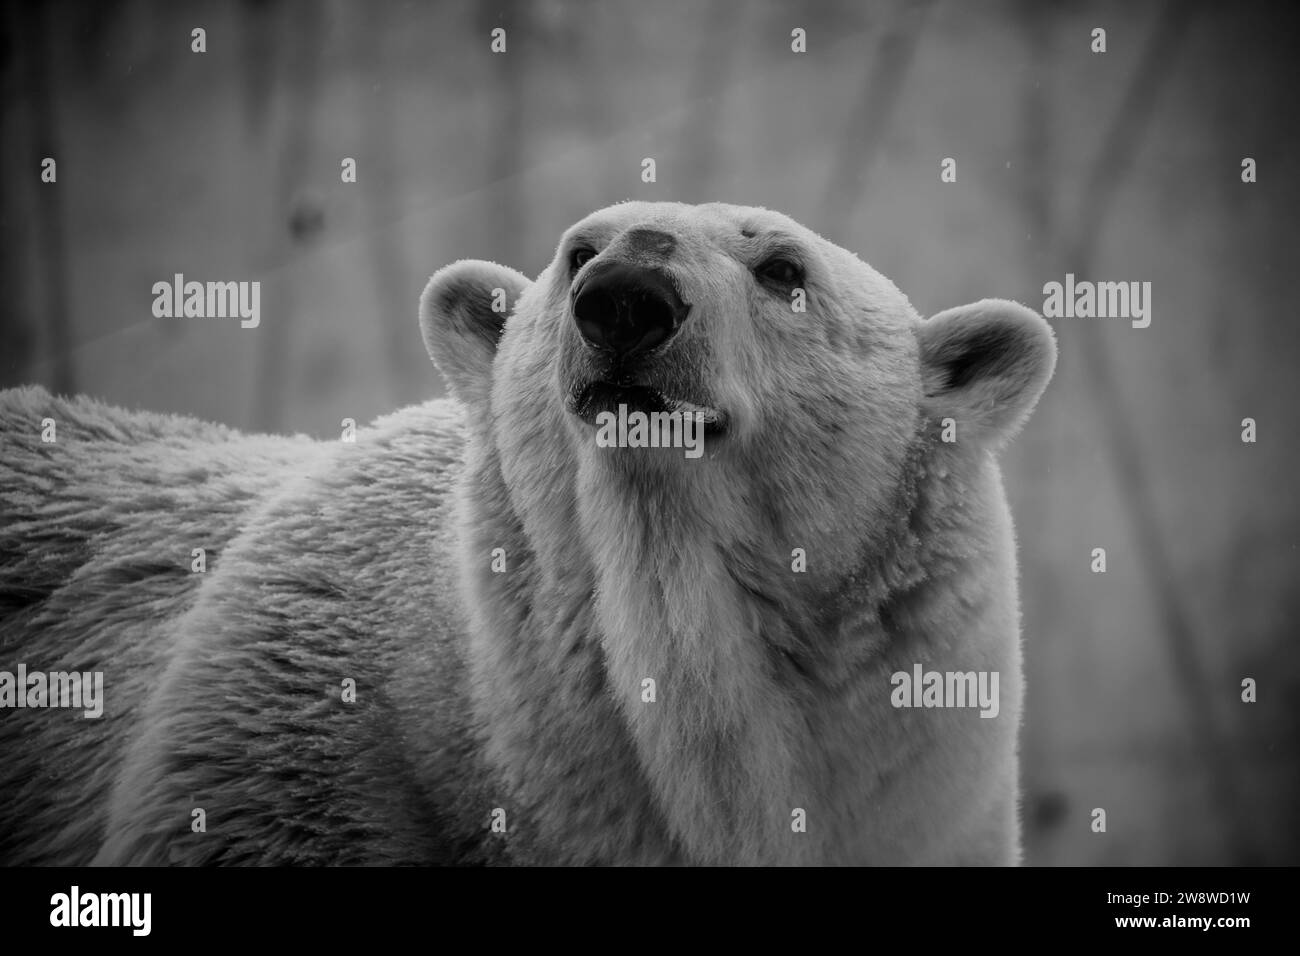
522,690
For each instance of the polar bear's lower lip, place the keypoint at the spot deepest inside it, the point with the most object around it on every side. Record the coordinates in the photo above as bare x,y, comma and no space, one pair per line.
711,415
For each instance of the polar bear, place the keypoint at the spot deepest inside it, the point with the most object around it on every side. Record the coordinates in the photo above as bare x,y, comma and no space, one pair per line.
506,628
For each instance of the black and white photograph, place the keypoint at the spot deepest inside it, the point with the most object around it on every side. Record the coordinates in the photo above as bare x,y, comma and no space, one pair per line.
721,434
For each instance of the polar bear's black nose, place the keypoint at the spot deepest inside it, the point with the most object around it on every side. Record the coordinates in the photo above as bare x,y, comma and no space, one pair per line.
627,308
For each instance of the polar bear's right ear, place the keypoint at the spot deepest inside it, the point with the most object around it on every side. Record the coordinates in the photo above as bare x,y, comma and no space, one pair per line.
984,365
463,312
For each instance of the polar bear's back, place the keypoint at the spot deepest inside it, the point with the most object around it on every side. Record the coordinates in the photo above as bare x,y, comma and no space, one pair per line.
118,498
97,529
97,533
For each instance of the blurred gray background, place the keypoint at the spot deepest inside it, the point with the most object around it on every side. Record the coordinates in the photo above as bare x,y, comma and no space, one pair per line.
1117,166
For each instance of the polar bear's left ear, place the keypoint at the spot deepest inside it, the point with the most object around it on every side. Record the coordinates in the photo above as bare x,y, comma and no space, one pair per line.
463,312
984,365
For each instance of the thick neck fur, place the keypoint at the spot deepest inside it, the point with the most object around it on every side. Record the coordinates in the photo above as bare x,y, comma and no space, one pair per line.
748,655
769,685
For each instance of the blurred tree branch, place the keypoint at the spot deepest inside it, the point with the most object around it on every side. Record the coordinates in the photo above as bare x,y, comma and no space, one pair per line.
868,126
391,273
298,219
705,94
1106,175
37,57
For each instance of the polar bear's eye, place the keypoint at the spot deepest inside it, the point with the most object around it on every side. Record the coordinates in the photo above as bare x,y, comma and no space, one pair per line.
580,257
779,270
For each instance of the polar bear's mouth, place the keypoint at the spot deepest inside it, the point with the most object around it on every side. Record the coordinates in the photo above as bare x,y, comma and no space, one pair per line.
597,397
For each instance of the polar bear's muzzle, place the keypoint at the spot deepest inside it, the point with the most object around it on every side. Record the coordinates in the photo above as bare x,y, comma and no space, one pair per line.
629,351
